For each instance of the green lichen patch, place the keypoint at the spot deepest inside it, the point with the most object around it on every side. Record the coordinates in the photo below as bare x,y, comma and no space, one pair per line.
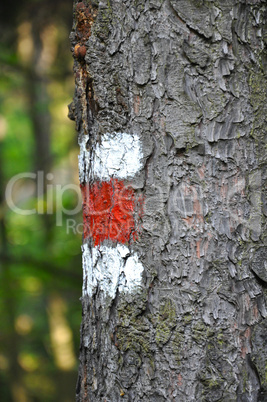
177,344
258,100
259,354
101,27
201,333
187,318
134,329
258,97
166,321
212,384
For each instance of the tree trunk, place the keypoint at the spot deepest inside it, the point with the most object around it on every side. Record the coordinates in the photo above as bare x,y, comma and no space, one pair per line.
170,108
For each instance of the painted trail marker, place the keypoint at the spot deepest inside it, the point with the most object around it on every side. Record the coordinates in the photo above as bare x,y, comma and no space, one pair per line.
110,212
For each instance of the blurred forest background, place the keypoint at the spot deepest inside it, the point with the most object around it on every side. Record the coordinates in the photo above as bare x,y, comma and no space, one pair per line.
40,262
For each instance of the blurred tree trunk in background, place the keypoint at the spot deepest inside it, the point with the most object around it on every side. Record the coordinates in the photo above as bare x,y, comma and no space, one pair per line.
187,80
39,100
37,90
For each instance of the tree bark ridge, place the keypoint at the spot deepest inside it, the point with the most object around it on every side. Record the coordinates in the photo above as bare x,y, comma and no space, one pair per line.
188,78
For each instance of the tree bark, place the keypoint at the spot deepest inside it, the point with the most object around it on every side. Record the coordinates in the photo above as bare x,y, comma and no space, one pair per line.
170,108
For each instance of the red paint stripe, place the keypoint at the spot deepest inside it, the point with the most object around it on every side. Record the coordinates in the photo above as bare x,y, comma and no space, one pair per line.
109,210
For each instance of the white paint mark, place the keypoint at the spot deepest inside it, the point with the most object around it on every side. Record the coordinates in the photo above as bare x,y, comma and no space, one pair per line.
109,269
83,160
119,155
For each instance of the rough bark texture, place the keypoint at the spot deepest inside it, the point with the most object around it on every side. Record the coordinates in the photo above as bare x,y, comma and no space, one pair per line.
187,77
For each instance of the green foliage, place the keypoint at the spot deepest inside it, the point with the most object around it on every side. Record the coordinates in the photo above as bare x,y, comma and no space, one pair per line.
40,262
